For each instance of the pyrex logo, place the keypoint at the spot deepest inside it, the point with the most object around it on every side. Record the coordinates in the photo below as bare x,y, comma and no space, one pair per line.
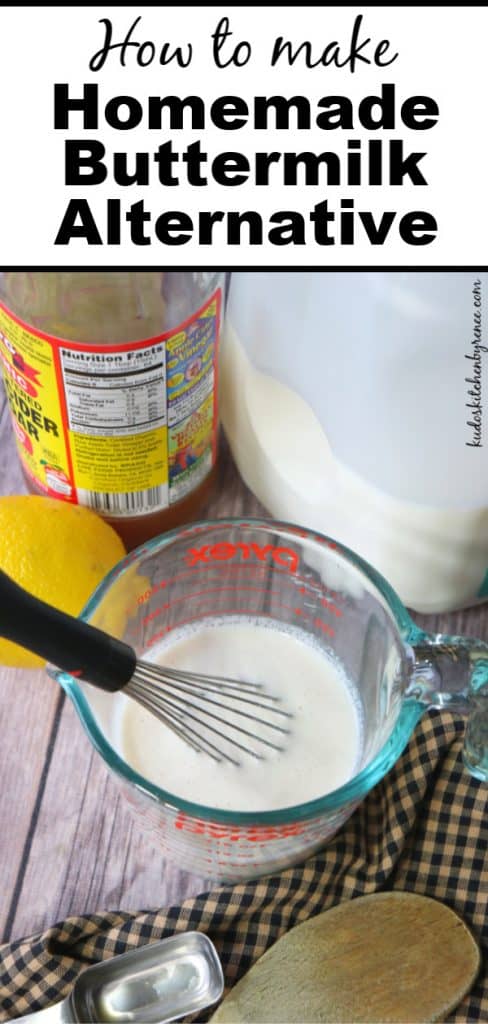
284,557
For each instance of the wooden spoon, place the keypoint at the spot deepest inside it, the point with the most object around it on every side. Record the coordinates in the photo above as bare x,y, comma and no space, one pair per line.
389,957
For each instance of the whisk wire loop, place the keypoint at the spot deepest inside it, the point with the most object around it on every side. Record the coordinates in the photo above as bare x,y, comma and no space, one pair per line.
183,700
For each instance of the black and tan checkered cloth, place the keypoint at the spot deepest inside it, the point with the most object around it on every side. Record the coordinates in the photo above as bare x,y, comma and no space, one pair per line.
423,829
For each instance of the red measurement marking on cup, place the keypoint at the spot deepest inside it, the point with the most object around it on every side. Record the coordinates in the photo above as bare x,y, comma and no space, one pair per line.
233,570
251,834
190,574
304,613
198,593
156,587
319,623
146,595
330,601
324,626
297,531
239,611
314,621
156,613
330,607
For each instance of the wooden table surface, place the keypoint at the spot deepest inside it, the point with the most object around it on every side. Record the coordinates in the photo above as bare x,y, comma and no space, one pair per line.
67,841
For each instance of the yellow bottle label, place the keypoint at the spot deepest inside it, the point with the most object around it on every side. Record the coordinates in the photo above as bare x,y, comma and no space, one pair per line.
125,429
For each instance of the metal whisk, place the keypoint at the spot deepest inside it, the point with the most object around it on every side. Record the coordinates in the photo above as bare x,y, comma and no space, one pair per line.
212,714
195,707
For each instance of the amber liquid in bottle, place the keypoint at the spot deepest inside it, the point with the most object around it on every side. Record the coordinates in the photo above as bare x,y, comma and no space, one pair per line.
111,308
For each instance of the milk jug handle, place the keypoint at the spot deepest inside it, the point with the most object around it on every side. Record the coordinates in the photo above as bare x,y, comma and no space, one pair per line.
451,672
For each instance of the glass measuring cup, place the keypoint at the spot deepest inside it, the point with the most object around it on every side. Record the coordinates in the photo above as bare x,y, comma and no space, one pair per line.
276,572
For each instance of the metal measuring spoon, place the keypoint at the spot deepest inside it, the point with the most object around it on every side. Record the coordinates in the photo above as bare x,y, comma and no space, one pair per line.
154,984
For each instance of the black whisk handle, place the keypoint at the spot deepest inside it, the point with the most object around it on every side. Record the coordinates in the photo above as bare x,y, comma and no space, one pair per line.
66,642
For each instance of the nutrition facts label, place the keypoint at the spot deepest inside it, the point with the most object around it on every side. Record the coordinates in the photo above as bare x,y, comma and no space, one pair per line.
124,428
124,392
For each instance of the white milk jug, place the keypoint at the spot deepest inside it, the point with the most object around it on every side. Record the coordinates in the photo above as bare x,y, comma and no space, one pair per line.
357,404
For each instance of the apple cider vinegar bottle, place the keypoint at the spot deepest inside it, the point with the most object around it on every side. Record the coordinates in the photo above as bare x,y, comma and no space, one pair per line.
111,378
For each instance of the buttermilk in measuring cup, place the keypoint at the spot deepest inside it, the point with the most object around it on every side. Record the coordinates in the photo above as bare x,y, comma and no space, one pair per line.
321,752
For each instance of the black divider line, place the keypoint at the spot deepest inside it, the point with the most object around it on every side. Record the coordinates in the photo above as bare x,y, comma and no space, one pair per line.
34,819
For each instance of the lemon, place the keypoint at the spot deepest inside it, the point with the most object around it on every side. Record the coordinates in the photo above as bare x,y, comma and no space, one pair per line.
58,552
